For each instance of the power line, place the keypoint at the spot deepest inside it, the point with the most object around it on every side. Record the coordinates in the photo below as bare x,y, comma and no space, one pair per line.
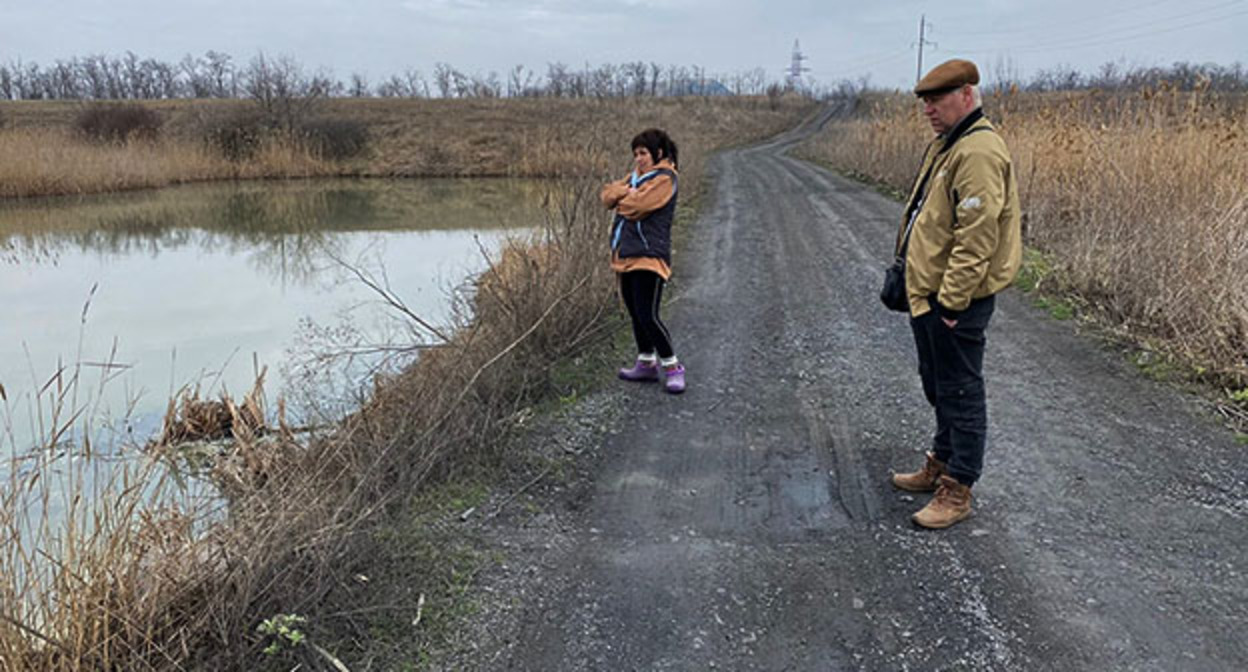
1088,41
868,60
1104,36
1046,26
1135,31
864,63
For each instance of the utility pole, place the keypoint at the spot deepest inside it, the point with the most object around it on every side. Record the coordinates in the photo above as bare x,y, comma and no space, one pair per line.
922,41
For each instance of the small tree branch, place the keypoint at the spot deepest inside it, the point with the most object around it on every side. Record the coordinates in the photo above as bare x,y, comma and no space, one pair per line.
388,296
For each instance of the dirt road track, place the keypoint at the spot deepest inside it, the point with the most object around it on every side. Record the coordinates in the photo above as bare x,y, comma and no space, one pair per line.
749,525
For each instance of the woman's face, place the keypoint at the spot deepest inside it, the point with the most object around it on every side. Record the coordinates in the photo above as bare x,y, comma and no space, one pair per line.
642,159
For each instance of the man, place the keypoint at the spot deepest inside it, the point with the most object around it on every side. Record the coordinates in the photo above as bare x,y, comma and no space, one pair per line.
964,246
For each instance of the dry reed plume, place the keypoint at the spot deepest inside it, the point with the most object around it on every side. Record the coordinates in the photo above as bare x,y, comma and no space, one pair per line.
1139,199
143,575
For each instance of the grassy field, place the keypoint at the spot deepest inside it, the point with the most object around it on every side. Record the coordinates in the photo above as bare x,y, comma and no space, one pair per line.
136,574
1135,206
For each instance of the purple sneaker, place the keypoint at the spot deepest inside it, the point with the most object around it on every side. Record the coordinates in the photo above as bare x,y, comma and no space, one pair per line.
674,379
641,372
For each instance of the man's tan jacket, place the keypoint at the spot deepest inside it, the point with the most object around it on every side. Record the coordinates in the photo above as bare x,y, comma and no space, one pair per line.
967,240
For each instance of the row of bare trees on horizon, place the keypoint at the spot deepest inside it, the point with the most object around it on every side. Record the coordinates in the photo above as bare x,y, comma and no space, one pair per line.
1113,76
218,75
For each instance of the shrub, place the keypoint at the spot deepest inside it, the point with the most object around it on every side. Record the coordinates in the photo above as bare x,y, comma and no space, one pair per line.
119,123
335,139
236,136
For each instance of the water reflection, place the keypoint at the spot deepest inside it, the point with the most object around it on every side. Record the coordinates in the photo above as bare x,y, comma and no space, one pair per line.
280,224
195,282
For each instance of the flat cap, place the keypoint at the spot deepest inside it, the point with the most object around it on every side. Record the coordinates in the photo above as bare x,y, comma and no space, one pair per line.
947,76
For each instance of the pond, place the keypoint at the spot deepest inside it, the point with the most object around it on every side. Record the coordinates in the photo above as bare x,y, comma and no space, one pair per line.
133,297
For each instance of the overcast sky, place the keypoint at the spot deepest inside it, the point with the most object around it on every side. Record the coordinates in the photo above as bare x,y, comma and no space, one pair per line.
840,39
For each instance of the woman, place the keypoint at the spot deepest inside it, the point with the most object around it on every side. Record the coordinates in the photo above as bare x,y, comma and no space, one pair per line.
641,253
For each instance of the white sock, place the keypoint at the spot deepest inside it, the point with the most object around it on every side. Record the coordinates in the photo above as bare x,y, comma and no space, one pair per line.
648,357
668,362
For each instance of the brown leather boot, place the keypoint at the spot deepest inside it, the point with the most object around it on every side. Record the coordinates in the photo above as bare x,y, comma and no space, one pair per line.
923,480
951,503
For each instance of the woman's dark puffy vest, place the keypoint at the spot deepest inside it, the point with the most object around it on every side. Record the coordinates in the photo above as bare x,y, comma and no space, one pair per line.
650,236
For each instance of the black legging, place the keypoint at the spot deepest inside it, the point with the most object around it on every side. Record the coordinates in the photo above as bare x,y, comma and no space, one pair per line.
643,292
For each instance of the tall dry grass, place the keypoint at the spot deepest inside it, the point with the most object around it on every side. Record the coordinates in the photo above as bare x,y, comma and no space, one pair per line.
44,156
137,580
1140,199
55,162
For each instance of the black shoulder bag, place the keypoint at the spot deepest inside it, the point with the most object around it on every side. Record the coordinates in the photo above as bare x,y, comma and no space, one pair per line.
893,294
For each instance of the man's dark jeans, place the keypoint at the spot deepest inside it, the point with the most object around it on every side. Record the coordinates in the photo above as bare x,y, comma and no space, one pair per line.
951,364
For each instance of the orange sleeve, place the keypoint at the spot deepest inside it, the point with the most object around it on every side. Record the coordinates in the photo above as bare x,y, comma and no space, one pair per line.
647,198
613,192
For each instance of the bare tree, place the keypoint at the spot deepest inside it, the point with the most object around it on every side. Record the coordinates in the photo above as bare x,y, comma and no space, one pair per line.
394,87
132,76
556,79
359,86
1058,78
198,84
461,85
94,78
635,74
114,78
444,79
677,80
62,81
1004,74
32,86
490,86
578,83
519,82
284,94
220,72
411,85
416,84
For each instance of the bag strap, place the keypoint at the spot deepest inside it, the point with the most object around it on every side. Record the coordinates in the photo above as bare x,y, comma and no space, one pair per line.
637,180
920,194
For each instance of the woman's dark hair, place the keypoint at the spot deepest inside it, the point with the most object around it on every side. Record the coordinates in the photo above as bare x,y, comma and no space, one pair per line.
658,143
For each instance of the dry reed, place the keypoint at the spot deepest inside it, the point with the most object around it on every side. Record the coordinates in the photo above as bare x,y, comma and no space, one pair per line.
1140,199
54,162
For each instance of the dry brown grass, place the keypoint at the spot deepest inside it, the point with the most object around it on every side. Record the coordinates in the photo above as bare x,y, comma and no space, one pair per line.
1140,200
53,162
139,577
408,138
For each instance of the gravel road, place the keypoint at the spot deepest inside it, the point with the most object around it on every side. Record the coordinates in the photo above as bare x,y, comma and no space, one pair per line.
749,524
